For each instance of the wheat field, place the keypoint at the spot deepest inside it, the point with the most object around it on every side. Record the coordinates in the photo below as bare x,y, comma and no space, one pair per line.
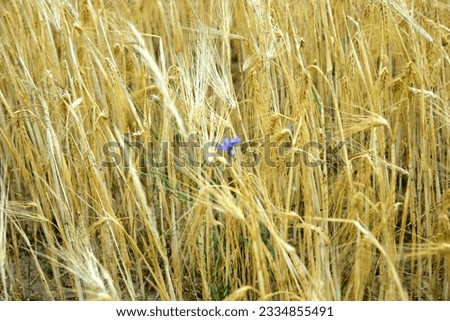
338,187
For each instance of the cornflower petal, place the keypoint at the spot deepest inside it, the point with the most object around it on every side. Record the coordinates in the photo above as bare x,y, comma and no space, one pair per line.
228,145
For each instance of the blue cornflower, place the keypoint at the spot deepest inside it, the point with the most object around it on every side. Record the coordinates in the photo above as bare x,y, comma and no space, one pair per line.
228,144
